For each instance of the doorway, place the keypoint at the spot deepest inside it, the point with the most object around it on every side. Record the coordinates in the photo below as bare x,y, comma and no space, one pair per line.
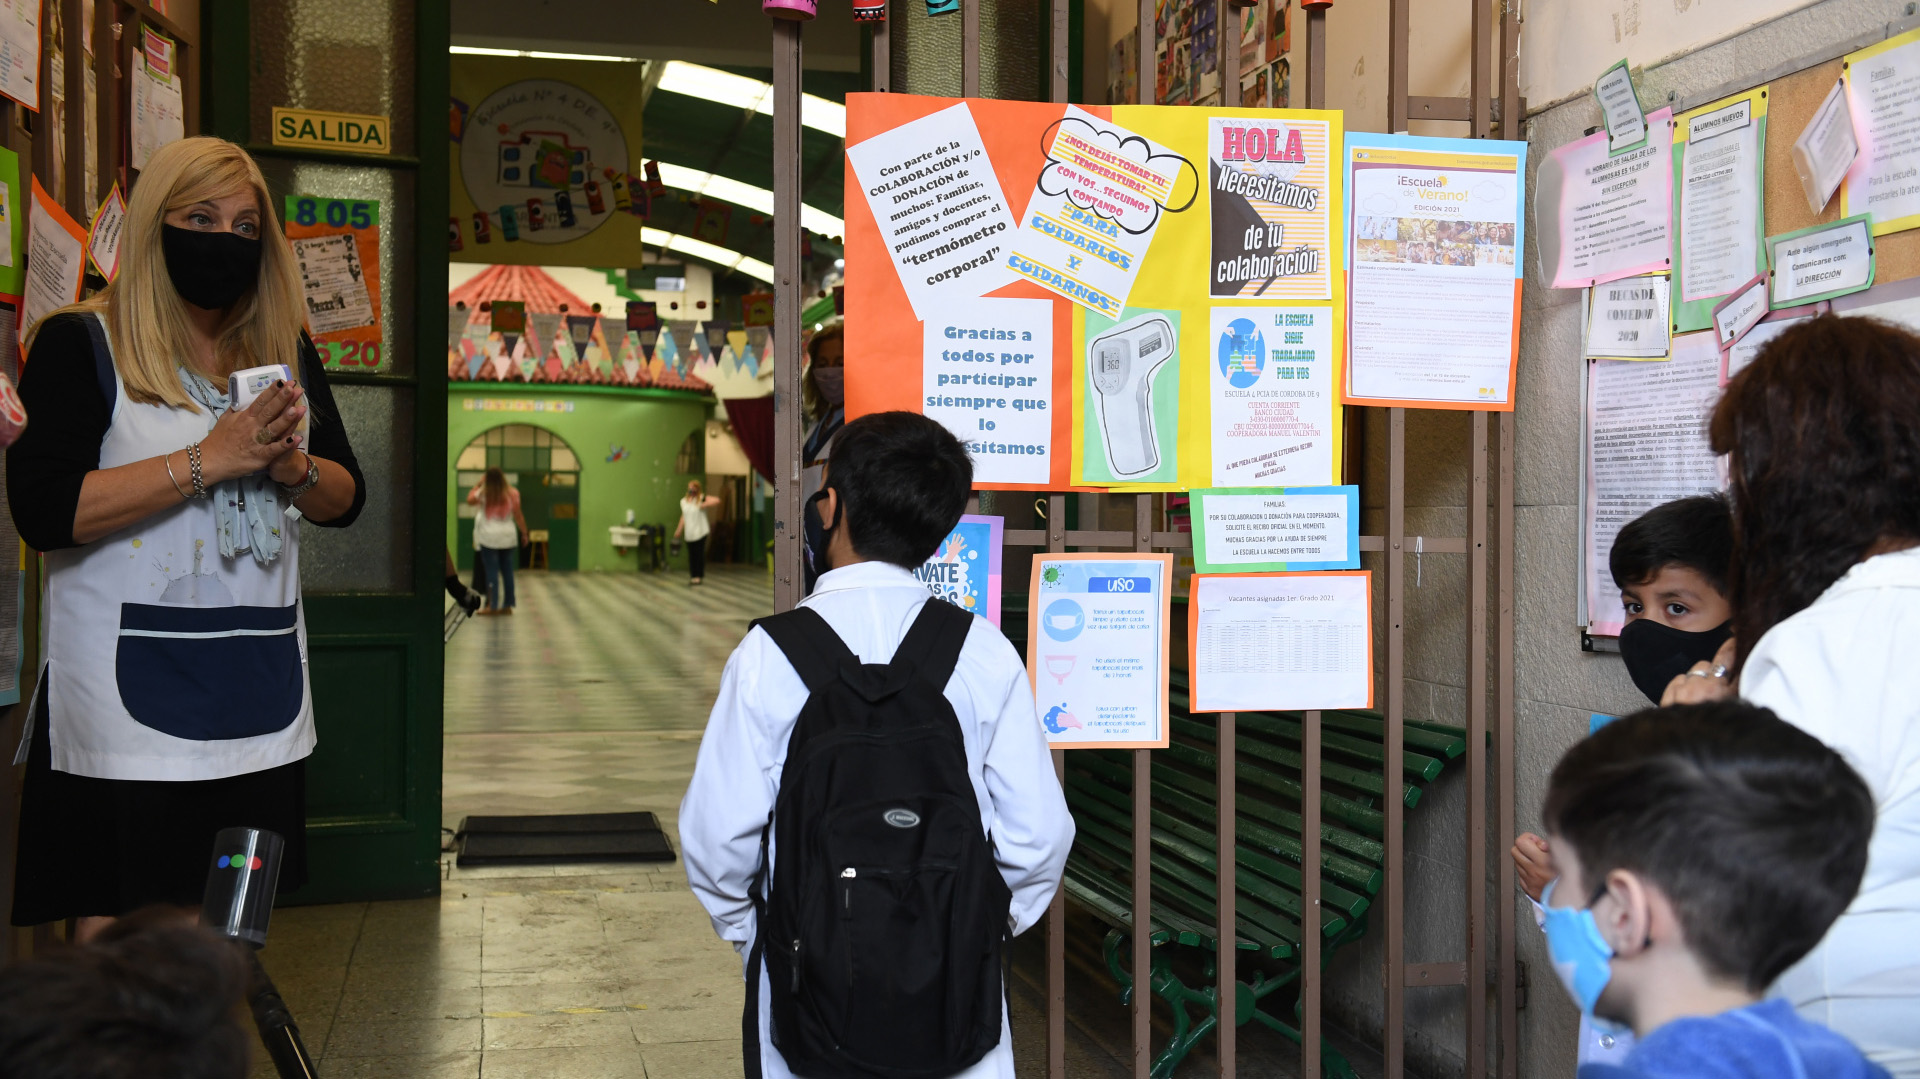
547,473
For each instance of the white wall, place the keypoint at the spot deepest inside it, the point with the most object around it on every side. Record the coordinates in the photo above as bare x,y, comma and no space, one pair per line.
1566,44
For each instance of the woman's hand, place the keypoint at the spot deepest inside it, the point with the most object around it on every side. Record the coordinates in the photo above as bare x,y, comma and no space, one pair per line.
290,468
242,443
1703,682
1532,864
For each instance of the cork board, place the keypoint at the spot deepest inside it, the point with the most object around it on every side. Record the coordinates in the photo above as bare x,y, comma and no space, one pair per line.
1791,101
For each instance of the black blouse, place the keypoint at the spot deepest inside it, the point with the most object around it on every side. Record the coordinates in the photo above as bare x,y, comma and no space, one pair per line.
68,417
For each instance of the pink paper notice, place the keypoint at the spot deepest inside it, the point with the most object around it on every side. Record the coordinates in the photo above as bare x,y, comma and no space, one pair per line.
1611,215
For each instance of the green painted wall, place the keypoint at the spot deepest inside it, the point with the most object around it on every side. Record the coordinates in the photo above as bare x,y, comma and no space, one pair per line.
651,424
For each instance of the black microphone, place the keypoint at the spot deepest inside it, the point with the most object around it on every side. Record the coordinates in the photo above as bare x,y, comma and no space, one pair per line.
238,905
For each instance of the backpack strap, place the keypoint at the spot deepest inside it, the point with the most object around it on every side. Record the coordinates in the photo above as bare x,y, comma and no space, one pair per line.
814,649
102,360
932,645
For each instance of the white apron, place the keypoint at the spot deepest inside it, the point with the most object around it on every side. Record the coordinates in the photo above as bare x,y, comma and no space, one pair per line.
164,660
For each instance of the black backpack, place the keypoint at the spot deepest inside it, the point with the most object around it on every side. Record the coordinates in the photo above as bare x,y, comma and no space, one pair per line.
884,926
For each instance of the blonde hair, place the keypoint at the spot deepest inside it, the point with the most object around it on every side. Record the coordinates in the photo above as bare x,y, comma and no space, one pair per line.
145,316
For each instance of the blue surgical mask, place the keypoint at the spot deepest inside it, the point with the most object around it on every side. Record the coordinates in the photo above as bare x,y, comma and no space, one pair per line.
1581,956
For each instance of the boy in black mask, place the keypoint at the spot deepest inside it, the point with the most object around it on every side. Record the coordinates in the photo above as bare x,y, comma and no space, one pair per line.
1670,565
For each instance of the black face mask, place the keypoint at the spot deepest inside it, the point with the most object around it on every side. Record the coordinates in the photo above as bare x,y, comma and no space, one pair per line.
210,269
1656,654
814,536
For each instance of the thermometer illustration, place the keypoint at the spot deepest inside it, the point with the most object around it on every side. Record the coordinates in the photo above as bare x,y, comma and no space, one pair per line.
1122,362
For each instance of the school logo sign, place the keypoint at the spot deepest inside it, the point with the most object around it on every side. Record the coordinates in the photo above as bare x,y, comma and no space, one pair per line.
340,131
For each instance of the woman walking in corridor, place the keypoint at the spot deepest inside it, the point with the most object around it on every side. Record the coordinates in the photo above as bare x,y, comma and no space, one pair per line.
498,534
693,528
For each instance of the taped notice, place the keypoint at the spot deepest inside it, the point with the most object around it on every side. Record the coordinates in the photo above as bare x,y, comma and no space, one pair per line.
939,207
1629,319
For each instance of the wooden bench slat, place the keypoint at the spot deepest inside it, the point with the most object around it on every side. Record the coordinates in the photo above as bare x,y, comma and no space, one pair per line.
1286,726
1191,903
1251,746
1335,808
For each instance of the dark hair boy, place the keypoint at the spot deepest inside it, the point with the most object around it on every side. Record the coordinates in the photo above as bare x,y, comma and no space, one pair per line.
1670,565
1702,850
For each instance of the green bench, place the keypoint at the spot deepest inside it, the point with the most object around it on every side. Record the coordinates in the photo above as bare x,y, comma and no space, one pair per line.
1267,857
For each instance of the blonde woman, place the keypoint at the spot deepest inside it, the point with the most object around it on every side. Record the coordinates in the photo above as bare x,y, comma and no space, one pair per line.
172,700
694,527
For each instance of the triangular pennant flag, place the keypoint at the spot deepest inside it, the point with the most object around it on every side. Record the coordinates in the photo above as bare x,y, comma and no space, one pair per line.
702,348
457,319
666,350
717,331
647,339
630,361
727,360
657,370
543,327
610,330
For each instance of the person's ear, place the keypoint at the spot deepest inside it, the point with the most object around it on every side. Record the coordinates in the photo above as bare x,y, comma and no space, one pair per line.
830,508
1626,913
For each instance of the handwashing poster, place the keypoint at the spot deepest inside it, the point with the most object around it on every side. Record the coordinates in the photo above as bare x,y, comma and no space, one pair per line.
965,569
1097,640
1128,297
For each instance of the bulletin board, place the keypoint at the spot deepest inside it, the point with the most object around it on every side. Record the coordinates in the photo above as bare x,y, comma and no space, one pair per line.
1687,377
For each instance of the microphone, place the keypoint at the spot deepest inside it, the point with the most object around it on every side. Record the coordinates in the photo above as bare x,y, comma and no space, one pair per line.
238,905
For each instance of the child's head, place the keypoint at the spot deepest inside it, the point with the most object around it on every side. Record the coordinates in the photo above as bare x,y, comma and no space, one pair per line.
902,482
1670,564
1711,846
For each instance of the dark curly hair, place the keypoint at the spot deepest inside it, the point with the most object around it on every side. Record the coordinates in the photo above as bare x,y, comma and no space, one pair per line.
1823,430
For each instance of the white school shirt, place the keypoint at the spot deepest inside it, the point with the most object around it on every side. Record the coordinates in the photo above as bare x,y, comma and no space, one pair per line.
871,605
1847,671
693,519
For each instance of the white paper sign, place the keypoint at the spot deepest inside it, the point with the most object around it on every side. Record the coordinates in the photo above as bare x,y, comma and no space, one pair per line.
1605,217
1646,444
1284,526
159,111
1097,649
1629,318
20,51
1825,150
1821,263
1741,312
1719,202
1094,211
1281,642
56,262
1620,107
987,374
1884,99
103,240
1745,350
939,206
1270,376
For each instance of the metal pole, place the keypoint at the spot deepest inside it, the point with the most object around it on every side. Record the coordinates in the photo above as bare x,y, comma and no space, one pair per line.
1142,858
1317,52
787,578
1398,30
1059,37
1480,89
1393,897
1227,18
1311,980
883,53
1057,910
1477,742
969,48
1509,970
1226,922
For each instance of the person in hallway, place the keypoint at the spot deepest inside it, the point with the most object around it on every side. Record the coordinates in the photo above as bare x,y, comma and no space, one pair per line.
172,700
1700,851
823,395
694,528
499,531
896,485
1823,433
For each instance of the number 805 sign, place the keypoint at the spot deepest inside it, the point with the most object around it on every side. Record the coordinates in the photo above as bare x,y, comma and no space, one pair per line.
336,248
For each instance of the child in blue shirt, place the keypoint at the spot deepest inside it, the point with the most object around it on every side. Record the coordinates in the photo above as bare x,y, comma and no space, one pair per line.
1701,850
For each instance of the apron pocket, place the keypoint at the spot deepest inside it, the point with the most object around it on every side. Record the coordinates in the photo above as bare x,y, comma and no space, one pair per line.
210,673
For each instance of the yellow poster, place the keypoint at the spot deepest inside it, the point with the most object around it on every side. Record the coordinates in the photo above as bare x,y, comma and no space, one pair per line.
536,149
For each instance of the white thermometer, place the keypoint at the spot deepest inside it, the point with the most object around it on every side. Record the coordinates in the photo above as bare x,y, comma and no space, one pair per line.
1122,362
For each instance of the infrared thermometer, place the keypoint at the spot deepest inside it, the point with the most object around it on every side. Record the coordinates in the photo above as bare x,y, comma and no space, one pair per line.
1122,362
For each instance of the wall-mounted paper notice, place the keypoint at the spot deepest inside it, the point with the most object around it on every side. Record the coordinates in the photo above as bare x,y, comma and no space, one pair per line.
103,239
1825,150
987,374
1620,108
1883,94
1741,311
56,260
1271,376
1628,320
1097,638
1280,641
20,51
1095,209
1277,529
1821,262
940,209
1718,156
1743,352
1646,444
1600,217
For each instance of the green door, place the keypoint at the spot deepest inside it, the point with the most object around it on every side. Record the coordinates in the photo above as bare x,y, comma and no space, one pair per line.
372,592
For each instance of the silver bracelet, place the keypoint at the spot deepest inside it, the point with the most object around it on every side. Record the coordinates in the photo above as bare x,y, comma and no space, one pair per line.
193,465
311,480
184,496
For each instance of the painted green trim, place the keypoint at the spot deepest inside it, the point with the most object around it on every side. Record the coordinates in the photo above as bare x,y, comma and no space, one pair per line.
819,311
618,280
333,157
224,105
537,389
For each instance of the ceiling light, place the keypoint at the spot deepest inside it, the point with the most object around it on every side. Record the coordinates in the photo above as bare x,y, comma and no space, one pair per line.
742,92
475,50
727,189
714,253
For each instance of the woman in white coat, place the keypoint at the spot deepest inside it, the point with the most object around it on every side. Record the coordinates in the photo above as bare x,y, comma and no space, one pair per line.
1823,430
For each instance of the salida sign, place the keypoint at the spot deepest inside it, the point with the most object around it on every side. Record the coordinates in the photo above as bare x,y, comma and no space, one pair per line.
341,131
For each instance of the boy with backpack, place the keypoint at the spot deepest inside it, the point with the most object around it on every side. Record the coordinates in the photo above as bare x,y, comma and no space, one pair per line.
874,812
1701,851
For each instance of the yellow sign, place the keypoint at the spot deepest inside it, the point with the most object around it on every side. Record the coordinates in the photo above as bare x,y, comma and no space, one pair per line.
343,131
